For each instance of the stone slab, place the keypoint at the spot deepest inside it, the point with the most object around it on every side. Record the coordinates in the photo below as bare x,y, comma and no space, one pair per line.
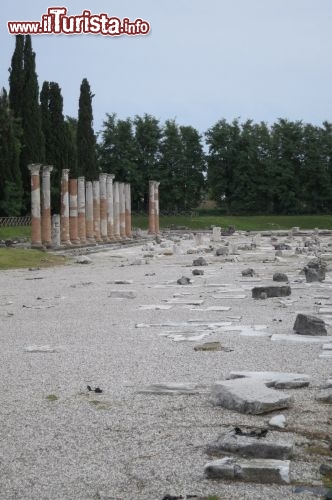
278,380
254,470
284,337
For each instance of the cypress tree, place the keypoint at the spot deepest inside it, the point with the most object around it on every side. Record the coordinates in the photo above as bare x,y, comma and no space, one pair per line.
16,78
10,175
33,139
86,140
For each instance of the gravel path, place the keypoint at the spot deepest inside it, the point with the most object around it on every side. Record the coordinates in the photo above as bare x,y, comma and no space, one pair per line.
61,441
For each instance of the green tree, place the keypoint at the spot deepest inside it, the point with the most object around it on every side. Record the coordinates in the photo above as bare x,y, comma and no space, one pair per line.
71,147
11,190
16,78
192,168
86,140
33,150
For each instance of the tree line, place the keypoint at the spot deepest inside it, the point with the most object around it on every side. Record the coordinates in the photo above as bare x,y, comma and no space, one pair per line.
244,167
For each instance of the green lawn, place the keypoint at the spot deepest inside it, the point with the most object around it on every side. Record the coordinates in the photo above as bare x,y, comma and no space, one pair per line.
13,258
248,223
7,233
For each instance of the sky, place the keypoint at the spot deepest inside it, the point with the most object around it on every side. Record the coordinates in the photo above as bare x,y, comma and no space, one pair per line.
202,61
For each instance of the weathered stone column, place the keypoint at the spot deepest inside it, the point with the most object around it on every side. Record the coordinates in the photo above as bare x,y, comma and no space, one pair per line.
122,210
116,210
103,206
110,214
64,216
35,205
46,229
128,209
156,205
81,209
152,208
89,213
56,240
73,213
96,210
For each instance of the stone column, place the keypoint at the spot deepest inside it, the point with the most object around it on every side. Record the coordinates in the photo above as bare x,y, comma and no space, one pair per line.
103,206
73,213
156,205
152,208
64,217
89,213
128,210
46,229
56,240
122,210
81,209
35,205
116,210
110,214
96,210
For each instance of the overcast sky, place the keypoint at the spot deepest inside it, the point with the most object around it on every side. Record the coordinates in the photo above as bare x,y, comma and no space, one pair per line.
202,61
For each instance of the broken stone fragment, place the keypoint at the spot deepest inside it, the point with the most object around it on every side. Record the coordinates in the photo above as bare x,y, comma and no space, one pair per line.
209,346
309,325
248,272
325,396
315,270
122,294
282,246
251,446
200,262
198,272
278,421
170,389
254,470
222,251
83,259
280,277
270,291
184,281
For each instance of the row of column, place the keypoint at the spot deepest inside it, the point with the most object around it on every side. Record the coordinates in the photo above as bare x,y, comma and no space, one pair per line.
91,212
153,207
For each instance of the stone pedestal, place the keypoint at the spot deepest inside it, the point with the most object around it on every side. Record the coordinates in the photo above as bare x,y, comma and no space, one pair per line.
110,215
73,213
81,210
128,210
96,210
116,210
89,213
35,205
103,206
46,230
64,217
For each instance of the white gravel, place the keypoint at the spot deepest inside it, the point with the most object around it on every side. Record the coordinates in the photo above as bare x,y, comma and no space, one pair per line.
64,332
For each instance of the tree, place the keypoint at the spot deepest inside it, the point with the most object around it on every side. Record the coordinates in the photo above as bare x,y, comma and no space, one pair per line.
11,191
86,140
16,78
192,167
33,150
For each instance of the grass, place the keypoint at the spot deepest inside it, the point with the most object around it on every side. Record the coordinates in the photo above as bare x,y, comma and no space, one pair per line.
14,258
52,397
8,233
242,222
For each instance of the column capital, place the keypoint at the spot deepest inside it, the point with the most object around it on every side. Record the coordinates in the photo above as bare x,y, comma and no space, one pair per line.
110,177
102,176
81,178
47,169
34,168
65,173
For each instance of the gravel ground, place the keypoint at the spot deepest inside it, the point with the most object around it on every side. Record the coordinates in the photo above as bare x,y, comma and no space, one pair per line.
61,441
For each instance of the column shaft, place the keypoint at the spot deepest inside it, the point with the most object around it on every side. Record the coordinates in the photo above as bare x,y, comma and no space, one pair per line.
96,210
128,209
89,212
103,206
46,226
35,205
73,213
116,207
152,208
64,217
156,205
56,240
81,209
110,214
122,210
